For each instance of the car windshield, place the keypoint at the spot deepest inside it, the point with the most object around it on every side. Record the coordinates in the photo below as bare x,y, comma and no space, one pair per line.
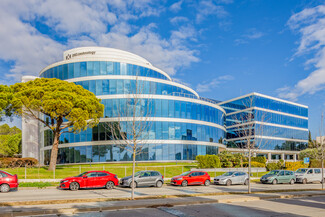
301,170
228,173
186,173
274,172
82,174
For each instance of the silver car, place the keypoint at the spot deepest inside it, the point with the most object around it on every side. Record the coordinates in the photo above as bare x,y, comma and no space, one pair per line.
144,178
230,178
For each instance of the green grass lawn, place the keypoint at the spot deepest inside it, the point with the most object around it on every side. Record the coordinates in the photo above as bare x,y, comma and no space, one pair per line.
168,170
121,170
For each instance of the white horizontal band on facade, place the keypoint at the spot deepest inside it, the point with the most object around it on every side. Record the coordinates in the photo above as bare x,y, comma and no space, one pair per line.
267,124
267,110
130,77
262,151
178,120
160,119
264,96
266,137
168,97
117,142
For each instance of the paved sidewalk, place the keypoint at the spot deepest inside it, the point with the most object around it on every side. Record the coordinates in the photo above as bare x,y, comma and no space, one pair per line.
70,208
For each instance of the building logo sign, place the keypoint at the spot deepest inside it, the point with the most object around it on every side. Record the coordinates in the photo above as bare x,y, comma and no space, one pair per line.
69,56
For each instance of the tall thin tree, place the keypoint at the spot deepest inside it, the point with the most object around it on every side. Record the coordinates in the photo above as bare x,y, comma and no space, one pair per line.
131,128
249,130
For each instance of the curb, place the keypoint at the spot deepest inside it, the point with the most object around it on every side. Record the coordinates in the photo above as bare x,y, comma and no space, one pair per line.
86,200
160,204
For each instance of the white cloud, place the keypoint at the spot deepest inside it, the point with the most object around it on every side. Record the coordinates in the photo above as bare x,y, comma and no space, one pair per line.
208,8
177,20
84,23
176,6
251,34
210,85
310,23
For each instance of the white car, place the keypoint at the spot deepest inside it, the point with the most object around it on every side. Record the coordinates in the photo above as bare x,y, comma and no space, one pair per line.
305,175
230,178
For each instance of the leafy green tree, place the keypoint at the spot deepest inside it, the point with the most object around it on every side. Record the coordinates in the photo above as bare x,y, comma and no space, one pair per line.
5,99
10,140
60,105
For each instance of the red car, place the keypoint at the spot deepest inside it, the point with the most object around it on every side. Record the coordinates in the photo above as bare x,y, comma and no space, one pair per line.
191,178
8,181
90,179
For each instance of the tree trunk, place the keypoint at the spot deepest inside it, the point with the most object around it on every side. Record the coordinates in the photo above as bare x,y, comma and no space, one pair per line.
133,171
249,171
323,173
54,152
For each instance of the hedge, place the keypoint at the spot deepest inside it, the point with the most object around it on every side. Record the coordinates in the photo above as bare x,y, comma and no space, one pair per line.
208,161
260,159
275,166
316,163
295,165
254,164
17,162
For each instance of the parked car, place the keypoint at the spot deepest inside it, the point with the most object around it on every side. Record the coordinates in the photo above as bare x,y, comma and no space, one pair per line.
305,175
144,178
191,178
230,178
279,176
90,179
7,181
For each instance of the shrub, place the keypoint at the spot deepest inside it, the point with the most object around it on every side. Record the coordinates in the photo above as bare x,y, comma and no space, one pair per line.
208,161
313,163
260,159
295,165
228,159
274,166
254,164
17,162
309,152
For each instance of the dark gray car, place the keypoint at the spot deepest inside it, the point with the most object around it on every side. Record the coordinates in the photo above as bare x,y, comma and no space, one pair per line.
144,178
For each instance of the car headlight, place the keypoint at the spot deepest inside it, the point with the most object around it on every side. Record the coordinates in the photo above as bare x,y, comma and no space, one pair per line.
64,181
179,179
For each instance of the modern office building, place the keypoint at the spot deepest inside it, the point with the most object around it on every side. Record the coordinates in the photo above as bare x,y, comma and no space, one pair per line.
182,124
278,128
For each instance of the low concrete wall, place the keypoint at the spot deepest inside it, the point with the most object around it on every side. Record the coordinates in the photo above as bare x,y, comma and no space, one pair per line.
253,169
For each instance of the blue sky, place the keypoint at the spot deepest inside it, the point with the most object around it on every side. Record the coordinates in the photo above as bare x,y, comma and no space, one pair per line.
221,48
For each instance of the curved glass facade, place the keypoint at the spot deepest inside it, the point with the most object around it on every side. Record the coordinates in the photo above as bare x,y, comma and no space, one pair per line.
181,126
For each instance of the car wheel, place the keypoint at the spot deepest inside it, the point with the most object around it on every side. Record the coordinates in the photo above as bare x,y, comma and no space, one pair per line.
4,188
159,184
274,182
74,186
135,184
228,183
304,181
292,181
246,182
110,185
184,183
207,182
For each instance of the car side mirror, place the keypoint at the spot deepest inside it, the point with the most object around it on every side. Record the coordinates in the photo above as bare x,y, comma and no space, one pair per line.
189,175
233,176
85,177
